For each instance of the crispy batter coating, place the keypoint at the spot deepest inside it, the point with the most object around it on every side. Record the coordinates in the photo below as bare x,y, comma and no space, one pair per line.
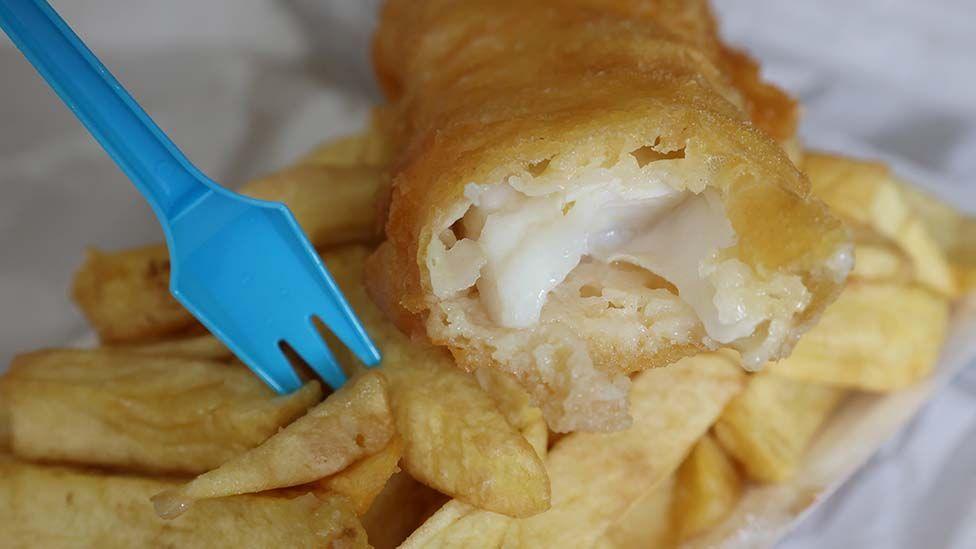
491,90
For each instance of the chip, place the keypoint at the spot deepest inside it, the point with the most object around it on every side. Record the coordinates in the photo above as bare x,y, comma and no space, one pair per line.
201,347
455,438
516,403
597,477
875,337
362,481
879,260
399,509
707,488
352,423
645,525
371,147
139,412
44,506
768,427
864,193
4,424
125,295
333,204
963,254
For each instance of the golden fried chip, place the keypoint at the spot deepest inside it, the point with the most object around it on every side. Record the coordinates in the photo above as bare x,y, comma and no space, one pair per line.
370,147
4,424
707,488
399,509
140,412
348,150
125,295
333,204
455,438
875,337
362,481
515,402
768,427
459,443
597,477
646,525
352,423
880,262
60,507
954,231
963,254
941,220
864,193
201,347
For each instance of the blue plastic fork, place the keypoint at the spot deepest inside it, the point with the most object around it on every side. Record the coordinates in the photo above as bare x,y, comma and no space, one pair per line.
243,267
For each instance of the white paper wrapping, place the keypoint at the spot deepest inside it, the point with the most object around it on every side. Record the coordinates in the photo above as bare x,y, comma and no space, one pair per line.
244,86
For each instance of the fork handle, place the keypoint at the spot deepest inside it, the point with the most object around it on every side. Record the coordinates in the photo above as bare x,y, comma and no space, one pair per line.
150,160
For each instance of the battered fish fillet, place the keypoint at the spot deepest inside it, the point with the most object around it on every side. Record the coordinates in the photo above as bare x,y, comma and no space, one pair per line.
580,193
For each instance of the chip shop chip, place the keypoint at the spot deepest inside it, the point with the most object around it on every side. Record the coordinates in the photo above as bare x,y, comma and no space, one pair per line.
864,193
768,427
362,481
399,509
455,438
201,347
707,488
646,525
141,413
875,337
125,294
50,507
352,423
597,477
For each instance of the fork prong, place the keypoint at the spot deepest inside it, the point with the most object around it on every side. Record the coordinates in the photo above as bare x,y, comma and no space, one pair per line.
309,345
273,368
340,319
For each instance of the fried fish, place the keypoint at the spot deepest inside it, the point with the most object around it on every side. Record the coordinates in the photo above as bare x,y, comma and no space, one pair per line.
584,189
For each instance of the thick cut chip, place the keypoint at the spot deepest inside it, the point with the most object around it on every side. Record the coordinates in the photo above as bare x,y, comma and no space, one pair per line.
55,507
646,525
333,204
370,147
875,337
768,427
202,347
4,423
516,403
455,438
954,231
866,194
352,423
399,509
458,442
362,481
708,487
880,262
125,295
348,150
963,254
597,477
140,412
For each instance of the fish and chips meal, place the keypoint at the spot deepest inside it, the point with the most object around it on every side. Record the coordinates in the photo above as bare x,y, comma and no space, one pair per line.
611,289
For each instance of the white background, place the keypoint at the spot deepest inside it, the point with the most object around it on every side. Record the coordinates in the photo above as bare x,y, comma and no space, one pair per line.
243,86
